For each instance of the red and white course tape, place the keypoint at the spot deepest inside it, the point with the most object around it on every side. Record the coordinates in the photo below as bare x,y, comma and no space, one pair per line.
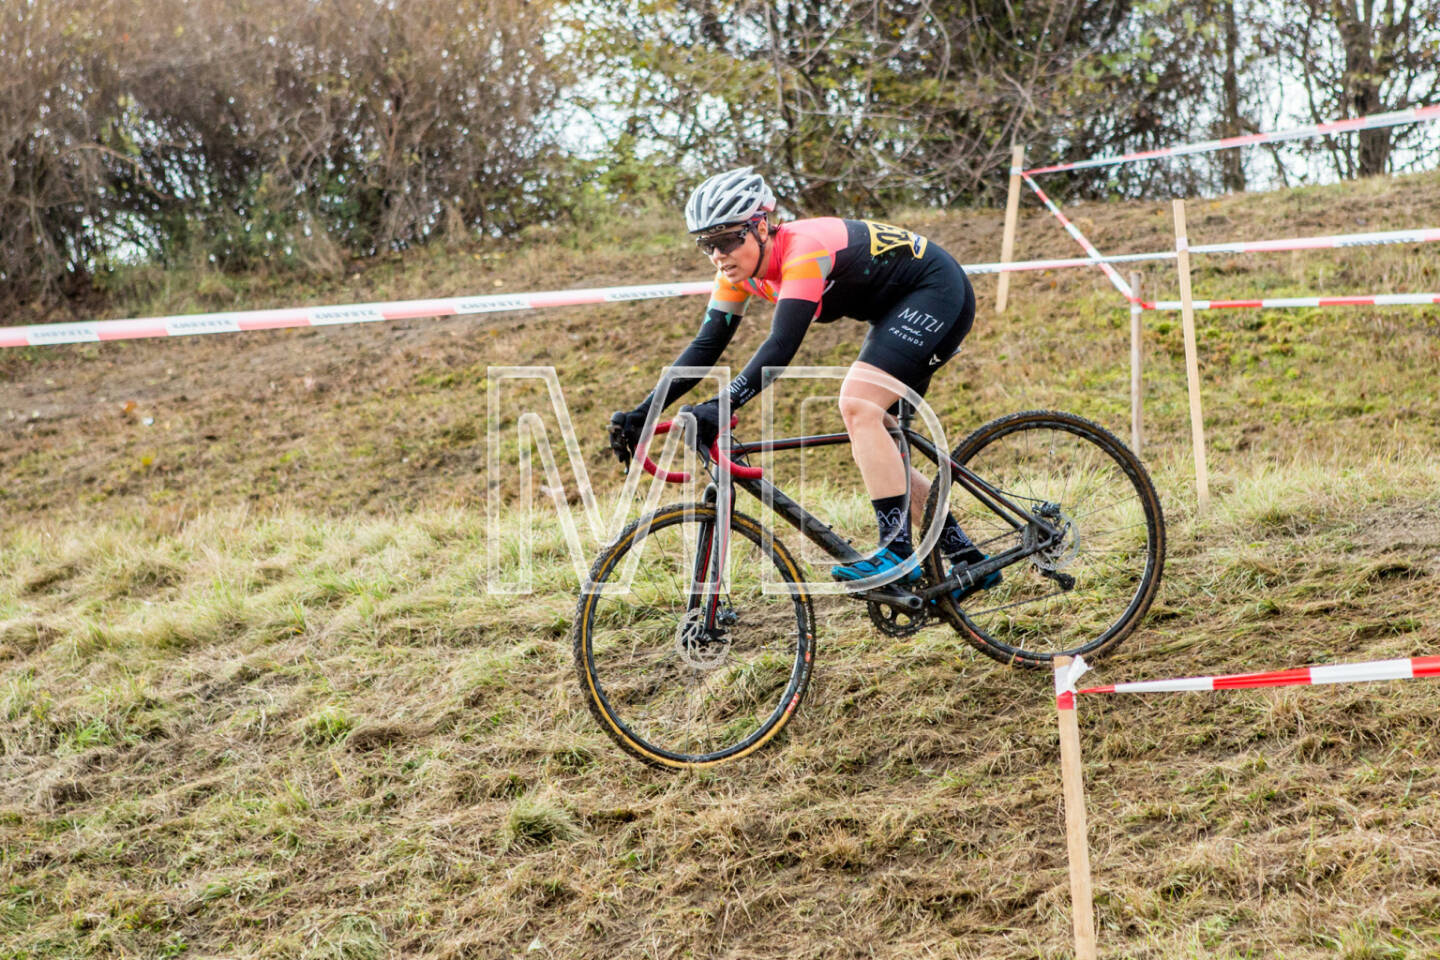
1372,122
1096,258
1403,669
245,320
1427,235
1423,235
1065,679
1377,300
1095,255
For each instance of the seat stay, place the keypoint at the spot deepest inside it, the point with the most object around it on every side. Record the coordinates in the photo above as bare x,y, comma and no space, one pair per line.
990,496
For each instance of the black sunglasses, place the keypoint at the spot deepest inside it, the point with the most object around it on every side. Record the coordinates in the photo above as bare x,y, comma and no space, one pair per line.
726,243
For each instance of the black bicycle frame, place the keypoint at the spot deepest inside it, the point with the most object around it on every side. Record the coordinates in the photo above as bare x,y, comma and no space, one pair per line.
710,561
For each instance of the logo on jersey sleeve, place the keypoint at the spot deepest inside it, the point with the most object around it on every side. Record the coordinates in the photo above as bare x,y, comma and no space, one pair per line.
884,237
763,288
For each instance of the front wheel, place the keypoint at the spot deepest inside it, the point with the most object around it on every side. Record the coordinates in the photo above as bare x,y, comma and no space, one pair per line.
1086,592
670,685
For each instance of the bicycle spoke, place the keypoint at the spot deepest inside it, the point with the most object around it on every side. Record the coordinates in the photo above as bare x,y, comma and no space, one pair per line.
1017,603
1090,513
671,681
1140,525
1052,458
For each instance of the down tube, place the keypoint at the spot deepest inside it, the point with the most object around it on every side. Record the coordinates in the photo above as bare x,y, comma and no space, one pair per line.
814,529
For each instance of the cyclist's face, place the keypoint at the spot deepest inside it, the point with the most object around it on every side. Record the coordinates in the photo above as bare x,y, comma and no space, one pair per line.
741,262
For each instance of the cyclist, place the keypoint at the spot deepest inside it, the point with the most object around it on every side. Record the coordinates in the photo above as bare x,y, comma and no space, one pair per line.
916,298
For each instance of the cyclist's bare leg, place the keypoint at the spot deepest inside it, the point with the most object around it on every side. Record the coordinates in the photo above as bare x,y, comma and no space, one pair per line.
864,397
919,490
919,494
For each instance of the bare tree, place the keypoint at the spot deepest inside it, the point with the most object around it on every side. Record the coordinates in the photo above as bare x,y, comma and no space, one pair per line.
253,132
1232,119
59,95
1359,57
860,102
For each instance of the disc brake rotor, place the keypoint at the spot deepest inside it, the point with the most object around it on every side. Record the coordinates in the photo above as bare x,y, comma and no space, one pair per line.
698,647
1061,553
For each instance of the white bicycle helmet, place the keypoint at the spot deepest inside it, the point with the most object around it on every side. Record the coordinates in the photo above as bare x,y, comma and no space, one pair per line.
727,198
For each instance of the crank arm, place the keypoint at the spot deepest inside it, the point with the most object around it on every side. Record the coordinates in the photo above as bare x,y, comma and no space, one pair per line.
903,599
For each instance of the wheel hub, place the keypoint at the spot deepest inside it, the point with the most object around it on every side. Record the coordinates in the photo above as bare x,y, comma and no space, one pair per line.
698,647
1063,550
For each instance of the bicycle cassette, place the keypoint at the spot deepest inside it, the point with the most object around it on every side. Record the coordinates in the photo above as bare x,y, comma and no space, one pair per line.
895,622
1061,553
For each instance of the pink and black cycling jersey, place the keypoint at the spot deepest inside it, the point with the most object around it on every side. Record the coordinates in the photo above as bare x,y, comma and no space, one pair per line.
911,291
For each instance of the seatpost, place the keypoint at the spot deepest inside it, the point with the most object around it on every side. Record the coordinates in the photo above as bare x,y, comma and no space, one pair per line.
904,413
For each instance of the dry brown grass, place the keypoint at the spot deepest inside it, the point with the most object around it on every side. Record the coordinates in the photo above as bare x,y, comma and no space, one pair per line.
253,702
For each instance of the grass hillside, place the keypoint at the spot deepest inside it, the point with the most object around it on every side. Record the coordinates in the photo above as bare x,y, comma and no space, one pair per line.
256,701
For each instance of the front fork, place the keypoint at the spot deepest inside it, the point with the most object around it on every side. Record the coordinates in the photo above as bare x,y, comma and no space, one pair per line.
708,579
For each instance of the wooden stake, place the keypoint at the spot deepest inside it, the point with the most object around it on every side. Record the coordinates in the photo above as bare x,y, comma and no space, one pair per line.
1082,898
1192,361
1012,215
1136,359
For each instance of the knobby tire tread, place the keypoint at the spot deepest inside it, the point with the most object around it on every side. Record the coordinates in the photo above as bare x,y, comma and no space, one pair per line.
1139,476
609,558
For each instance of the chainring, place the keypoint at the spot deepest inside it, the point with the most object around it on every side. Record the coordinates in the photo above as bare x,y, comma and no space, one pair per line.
894,621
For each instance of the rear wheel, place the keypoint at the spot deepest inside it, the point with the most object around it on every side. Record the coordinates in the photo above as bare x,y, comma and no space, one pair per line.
1087,592
665,687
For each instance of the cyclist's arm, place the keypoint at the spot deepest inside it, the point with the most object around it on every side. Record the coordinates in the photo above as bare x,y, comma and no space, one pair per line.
787,329
722,318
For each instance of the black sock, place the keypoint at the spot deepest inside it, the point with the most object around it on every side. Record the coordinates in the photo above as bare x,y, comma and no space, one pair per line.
957,547
892,516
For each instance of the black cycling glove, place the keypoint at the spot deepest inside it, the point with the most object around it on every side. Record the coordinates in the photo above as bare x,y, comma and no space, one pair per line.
707,425
625,427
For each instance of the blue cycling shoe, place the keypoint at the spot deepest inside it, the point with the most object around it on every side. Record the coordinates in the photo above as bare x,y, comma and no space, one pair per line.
886,561
985,583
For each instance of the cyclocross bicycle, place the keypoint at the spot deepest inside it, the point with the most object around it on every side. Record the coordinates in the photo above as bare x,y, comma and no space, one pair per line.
694,638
